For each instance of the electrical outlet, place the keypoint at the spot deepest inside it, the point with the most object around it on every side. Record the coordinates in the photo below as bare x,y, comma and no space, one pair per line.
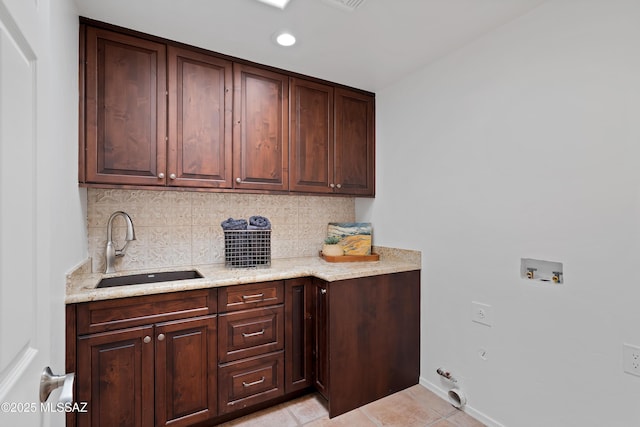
481,313
631,359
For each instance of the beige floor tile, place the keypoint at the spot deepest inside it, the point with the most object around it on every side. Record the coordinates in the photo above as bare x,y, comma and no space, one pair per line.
461,419
355,418
431,399
442,423
413,407
400,410
278,416
307,408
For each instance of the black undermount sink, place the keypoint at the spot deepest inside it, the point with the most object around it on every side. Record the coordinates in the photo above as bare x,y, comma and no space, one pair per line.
138,279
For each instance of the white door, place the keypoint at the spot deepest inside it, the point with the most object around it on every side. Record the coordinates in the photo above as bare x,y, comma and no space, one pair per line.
24,295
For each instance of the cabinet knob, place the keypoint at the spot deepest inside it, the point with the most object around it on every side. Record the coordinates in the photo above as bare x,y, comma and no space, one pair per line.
339,185
332,185
161,175
323,291
172,176
147,339
161,337
238,180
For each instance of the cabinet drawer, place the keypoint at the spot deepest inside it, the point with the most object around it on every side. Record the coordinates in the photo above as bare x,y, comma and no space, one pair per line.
250,333
108,315
250,381
242,297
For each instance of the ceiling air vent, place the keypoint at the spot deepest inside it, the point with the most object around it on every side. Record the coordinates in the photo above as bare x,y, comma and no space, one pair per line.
346,4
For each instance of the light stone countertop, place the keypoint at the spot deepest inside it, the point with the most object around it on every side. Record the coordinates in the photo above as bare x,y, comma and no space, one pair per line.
81,285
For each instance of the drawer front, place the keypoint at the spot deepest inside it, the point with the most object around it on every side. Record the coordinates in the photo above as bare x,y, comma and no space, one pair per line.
243,297
250,333
108,315
251,381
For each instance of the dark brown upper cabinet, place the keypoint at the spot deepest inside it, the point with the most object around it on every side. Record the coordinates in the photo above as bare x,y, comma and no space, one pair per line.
157,113
125,109
354,151
200,107
312,141
332,139
261,129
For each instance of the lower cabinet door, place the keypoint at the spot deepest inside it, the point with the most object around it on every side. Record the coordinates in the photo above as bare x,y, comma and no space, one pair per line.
321,342
250,381
186,371
298,335
115,378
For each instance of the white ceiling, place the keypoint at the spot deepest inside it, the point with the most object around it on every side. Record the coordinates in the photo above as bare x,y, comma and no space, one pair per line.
369,48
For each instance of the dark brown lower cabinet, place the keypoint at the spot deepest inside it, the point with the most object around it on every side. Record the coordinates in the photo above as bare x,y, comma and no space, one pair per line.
115,376
162,372
299,330
186,376
145,361
185,358
250,381
368,338
321,335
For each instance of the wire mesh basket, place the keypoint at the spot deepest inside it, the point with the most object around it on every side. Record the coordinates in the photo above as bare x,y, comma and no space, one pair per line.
247,248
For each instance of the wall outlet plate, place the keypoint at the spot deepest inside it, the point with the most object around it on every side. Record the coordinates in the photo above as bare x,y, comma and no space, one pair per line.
481,313
631,359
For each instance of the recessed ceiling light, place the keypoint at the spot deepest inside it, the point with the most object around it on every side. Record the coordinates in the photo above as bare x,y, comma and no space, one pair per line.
285,39
276,3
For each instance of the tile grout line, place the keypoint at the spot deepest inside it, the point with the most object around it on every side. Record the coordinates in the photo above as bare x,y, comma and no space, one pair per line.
370,417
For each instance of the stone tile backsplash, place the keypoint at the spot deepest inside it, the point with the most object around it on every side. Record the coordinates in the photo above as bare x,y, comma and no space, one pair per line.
175,229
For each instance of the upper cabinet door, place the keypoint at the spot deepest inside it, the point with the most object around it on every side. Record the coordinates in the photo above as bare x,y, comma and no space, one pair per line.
260,129
355,143
200,108
125,109
312,138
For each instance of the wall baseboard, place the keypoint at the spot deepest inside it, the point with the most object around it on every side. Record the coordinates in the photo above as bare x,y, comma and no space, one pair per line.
442,393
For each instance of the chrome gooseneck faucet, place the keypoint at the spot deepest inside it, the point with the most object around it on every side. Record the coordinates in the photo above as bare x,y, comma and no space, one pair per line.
112,252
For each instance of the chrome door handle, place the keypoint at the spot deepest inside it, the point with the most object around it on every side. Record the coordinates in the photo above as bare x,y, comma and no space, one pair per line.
49,382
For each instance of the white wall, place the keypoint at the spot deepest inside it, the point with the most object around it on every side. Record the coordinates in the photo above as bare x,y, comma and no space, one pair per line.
525,143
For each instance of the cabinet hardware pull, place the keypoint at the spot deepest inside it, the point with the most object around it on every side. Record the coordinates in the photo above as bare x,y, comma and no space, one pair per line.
161,337
339,185
239,180
161,175
332,185
323,291
260,381
172,176
246,297
147,339
253,334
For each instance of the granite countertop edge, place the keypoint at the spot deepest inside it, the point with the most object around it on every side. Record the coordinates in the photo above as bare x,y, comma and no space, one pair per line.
81,284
